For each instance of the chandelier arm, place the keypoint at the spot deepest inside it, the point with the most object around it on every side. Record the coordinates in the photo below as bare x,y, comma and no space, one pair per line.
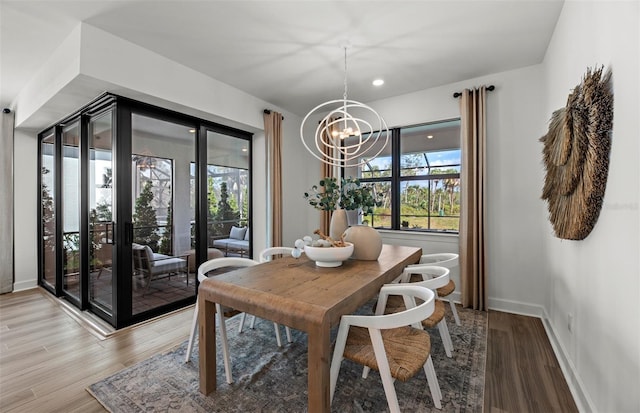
342,153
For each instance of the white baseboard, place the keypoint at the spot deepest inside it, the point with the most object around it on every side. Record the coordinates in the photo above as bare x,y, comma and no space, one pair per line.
25,285
516,307
576,387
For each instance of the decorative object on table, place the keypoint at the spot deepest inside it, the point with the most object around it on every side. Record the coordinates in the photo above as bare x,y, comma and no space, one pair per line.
329,256
576,156
299,246
367,243
339,223
350,134
349,195
335,252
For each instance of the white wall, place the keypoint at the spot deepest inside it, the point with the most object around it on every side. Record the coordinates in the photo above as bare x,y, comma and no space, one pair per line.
597,279
94,63
25,210
516,274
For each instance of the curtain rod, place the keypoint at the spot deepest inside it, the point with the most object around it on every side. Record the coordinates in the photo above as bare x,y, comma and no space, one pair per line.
268,112
458,94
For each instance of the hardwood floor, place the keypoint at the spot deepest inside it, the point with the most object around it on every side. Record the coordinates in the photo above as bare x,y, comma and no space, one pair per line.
47,358
523,374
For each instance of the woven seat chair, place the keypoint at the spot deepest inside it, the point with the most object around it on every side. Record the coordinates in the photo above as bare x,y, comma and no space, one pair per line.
450,261
395,344
432,277
223,313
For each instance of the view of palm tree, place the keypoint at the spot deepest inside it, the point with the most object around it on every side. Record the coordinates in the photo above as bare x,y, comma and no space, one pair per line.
429,189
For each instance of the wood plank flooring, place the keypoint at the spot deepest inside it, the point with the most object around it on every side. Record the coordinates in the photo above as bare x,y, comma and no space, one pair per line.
523,374
47,358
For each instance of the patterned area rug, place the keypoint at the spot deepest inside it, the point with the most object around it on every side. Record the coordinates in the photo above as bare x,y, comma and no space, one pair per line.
272,379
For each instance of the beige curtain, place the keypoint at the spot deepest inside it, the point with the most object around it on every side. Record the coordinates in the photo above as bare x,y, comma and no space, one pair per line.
472,187
273,139
6,203
326,171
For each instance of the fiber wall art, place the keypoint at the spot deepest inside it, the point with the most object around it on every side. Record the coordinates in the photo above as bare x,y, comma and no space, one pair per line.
576,156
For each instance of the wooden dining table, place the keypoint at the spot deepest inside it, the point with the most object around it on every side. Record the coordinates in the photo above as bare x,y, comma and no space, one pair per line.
303,296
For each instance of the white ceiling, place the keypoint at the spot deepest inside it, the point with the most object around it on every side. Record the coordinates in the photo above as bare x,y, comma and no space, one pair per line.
289,53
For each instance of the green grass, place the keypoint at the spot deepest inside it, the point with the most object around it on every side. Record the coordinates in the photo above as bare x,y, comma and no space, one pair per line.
437,223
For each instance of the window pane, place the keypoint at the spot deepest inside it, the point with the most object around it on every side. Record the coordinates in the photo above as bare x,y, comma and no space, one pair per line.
432,204
162,152
101,212
381,217
378,167
429,149
71,205
48,212
227,192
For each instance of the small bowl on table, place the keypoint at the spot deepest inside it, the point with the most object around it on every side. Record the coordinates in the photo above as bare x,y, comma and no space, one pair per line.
329,256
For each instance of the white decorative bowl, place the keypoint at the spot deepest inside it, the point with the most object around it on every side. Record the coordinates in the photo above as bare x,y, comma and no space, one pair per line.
329,256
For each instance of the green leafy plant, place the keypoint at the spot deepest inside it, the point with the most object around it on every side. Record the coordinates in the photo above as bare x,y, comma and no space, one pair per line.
144,219
350,194
226,215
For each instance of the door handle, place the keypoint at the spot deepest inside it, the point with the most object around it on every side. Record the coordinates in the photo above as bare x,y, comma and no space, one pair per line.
128,233
111,232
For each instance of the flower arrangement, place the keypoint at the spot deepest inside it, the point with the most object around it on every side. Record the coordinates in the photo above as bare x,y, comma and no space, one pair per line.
350,194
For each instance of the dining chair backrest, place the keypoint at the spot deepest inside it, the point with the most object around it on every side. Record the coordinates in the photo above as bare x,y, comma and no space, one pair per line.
268,253
443,259
451,261
413,315
216,263
433,277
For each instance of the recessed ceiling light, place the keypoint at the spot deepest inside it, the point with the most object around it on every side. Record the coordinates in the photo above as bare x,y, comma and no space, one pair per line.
429,136
192,131
244,149
378,82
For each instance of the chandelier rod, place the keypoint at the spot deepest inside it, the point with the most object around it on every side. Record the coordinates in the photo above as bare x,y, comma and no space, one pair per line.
345,87
345,74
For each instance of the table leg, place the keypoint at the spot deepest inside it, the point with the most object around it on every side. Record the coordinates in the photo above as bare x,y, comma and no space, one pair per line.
318,364
207,349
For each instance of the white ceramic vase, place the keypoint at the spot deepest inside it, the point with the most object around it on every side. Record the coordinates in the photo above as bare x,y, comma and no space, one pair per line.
339,224
367,242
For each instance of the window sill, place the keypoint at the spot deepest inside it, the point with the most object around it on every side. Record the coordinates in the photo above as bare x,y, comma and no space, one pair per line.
388,234
418,233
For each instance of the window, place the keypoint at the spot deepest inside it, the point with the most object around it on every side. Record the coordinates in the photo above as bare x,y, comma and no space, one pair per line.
152,202
227,188
121,230
419,177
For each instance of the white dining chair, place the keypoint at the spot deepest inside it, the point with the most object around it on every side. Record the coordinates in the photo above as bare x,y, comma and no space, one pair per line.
432,277
447,260
394,344
268,253
203,269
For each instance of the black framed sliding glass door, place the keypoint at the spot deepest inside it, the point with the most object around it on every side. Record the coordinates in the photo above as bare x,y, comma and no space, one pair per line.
100,198
126,191
162,203
48,218
70,206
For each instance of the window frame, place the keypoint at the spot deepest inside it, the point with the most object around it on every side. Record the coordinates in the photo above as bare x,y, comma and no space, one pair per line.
396,181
